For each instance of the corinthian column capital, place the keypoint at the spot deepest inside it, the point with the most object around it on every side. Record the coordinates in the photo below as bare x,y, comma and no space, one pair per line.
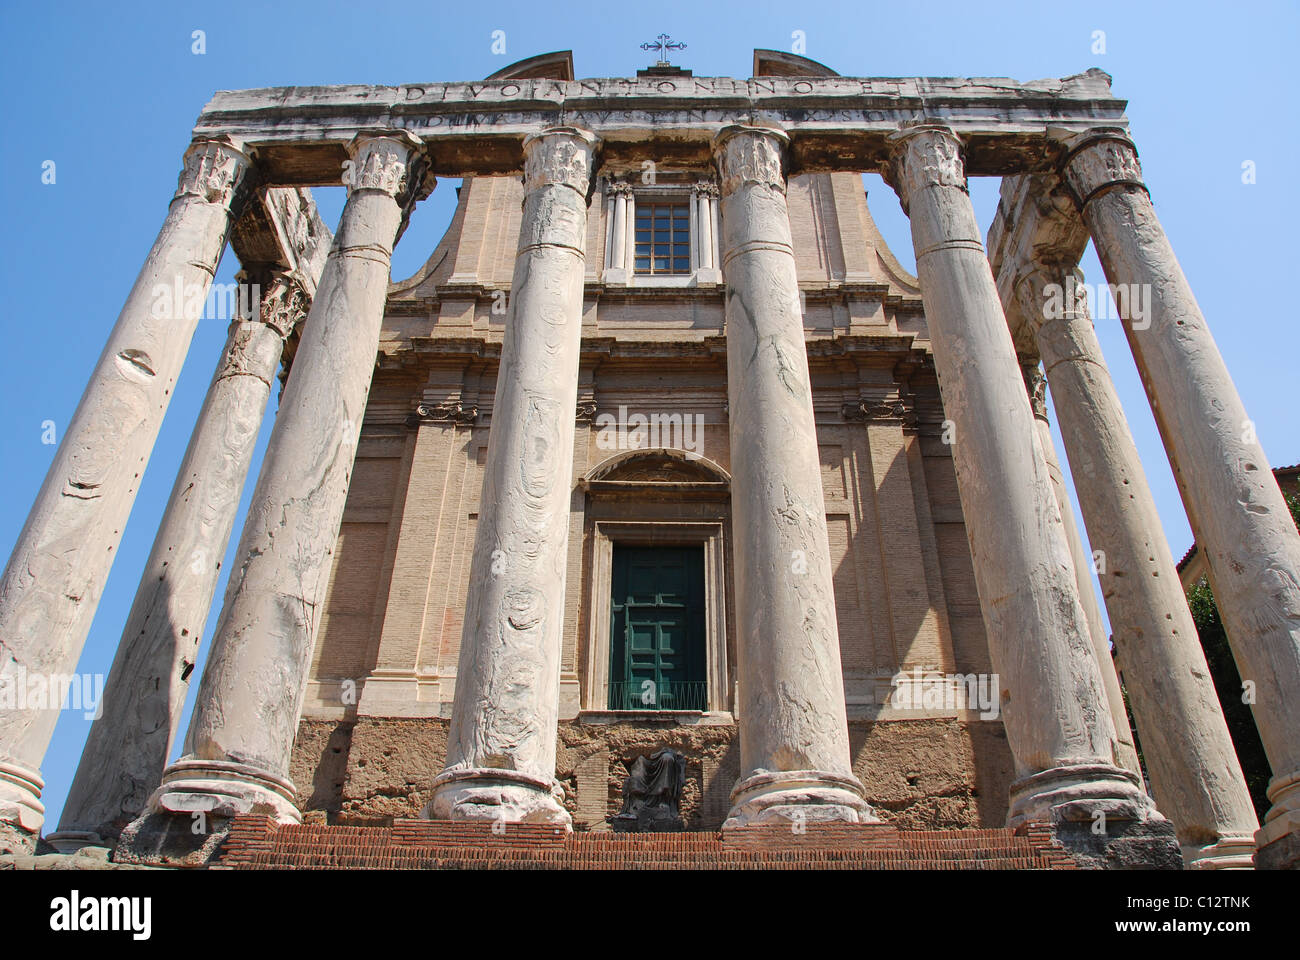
750,154
1047,291
1099,161
213,170
387,160
559,155
284,304
926,155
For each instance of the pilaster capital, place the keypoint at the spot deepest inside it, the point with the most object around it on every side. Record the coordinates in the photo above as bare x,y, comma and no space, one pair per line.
560,155
213,170
746,153
924,155
705,188
619,188
1098,161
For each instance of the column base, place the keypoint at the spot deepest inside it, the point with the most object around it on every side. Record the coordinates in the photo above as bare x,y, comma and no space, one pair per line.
797,797
70,841
189,814
21,812
1100,814
502,796
1278,839
1226,853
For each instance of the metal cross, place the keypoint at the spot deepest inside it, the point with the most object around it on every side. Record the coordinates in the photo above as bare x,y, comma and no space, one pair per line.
663,44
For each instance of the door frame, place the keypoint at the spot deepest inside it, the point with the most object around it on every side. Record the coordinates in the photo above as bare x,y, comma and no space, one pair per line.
658,534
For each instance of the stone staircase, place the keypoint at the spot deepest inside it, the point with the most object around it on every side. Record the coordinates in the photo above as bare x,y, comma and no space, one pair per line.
260,843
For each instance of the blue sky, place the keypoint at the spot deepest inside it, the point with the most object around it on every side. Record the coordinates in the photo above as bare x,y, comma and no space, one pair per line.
110,92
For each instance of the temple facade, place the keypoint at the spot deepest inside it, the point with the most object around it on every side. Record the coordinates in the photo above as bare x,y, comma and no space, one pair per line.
662,448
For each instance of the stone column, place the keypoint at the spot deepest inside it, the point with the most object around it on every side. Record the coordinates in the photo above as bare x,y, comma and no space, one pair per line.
128,746
238,745
794,745
1195,774
501,744
1081,562
1053,703
54,578
1235,507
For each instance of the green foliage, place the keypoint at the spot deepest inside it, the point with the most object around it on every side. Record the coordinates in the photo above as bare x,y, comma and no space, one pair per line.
1227,682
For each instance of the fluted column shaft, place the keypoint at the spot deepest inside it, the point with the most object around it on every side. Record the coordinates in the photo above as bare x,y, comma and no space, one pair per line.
501,744
128,746
1054,706
61,561
1195,774
794,749
237,748
1237,512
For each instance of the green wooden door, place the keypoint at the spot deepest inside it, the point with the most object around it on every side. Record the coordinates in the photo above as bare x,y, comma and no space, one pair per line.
657,629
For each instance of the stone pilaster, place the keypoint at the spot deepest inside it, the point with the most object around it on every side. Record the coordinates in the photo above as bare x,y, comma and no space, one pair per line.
238,745
501,744
795,761
127,749
61,560
1054,705
1081,561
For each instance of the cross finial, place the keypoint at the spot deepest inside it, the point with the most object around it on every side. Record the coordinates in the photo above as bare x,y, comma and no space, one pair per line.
663,44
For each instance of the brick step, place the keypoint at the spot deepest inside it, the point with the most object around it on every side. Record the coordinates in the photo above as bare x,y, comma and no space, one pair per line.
258,843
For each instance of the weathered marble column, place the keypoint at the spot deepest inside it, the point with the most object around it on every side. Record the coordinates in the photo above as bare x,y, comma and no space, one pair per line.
1054,706
501,744
794,743
1235,507
1081,562
246,714
1195,774
128,746
54,578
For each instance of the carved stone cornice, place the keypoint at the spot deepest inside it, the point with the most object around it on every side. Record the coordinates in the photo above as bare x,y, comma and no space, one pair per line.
1100,161
449,411
925,155
215,170
750,154
559,155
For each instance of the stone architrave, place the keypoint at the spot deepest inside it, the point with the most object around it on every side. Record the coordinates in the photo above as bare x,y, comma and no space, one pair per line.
1236,510
237,748
128,745
61,560
501,744
1195,775
794,745
1054,707
1036,384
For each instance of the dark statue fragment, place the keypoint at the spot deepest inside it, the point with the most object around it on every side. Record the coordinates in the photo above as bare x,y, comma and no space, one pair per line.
652,795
